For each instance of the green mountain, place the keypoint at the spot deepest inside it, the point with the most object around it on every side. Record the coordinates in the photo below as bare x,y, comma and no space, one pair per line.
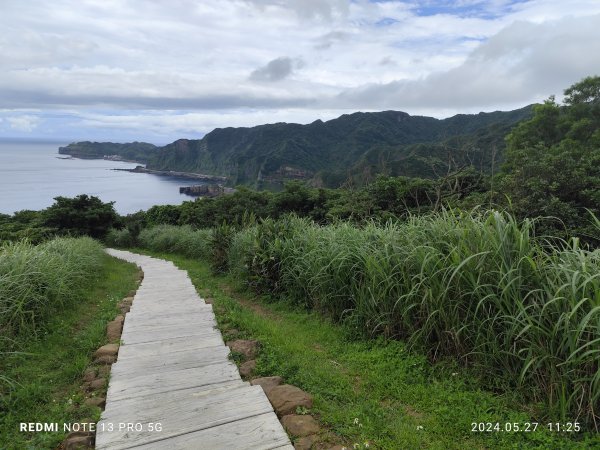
351,148
132,151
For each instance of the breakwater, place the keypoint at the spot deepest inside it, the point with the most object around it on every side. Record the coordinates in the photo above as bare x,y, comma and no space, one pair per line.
172,173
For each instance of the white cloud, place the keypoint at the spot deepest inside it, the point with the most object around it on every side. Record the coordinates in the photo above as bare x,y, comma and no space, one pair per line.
523,62
276,70
305,9
289,59
24,123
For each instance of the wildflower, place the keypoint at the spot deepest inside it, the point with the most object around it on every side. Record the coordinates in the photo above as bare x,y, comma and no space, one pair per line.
419,427
454,374
356,421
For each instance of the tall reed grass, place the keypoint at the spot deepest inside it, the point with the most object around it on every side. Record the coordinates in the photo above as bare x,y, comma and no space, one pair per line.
183,240
119,238
36,281
477,287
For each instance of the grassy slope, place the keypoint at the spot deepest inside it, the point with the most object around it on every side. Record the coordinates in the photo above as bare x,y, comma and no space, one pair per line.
391,392
49,370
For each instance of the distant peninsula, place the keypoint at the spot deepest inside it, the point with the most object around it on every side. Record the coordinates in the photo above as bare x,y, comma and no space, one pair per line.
140,152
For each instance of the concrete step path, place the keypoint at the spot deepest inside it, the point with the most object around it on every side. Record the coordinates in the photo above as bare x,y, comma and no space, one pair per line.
173,386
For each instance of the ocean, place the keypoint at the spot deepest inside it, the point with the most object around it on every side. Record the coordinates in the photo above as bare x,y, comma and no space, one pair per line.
32,174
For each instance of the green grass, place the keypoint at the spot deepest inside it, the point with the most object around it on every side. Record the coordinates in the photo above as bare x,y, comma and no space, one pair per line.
390,390
36,281
183,240
47,370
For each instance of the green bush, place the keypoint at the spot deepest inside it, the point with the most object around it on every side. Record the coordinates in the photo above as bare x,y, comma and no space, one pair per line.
260,251
81,215
240,253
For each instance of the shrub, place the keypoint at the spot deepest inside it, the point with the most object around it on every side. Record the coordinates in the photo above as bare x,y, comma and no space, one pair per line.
81,215
262,256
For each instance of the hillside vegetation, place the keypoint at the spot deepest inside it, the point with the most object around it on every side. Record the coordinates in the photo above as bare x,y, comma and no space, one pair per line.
132,151
352,148
551,172
477,288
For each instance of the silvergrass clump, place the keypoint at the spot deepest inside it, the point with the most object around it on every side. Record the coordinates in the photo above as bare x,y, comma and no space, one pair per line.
240,253
119,238
220,242
478,287
37,281
183,240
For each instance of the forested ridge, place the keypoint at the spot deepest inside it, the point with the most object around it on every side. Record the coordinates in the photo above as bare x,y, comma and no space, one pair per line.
351,149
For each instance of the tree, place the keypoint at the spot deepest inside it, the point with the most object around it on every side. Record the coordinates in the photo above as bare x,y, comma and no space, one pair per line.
163,215
552,164
82,215
401,195
295,197
585,91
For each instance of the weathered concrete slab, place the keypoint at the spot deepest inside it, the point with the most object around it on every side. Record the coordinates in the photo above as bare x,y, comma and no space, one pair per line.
186,359
167,346
139,337
260,432
180,413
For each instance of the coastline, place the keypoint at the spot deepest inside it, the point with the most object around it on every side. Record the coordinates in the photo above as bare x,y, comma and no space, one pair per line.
172,173
141,169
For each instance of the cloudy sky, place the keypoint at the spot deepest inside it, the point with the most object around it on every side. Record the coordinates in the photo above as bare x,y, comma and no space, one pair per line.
124,70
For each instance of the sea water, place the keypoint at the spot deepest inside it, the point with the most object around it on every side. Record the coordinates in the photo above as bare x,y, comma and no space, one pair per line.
33,173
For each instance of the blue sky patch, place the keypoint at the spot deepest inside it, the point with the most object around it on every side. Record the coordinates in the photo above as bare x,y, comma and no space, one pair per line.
481,9
386,21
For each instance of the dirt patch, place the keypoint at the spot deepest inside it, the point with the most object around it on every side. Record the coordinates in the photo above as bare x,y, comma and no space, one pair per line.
413,413
248,348
318,348
248,303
